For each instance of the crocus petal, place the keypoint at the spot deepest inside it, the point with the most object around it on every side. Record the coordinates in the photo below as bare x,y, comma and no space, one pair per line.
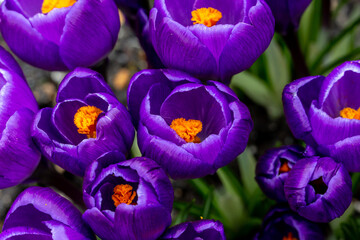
297,98
324,206
19,35
89,24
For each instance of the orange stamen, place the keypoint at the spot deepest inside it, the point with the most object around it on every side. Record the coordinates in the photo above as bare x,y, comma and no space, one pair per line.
289,237
207,16
49,5
187,129
123,193
284,168
350,113
85,119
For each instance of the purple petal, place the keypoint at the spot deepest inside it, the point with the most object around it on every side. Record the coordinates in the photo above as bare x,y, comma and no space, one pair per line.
91,28
297,98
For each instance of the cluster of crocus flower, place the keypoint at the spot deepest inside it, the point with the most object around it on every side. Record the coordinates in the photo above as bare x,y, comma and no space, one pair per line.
323,112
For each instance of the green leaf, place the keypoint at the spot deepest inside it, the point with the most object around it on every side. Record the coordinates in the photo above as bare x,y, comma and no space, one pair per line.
135,151
200,186
208,204
333,43
277,68
258,91
185,209
247,164
231,183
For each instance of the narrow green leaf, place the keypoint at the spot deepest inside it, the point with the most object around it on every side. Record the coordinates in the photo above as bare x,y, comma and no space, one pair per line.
247,164
231,184
208,203
258,91
277,68
200,186
184,213
333,42
135,151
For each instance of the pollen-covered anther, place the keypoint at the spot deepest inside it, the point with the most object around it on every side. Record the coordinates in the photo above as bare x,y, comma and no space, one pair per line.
85,120
350,113
123,193
207,16
49,5
187,129
284,168
289,237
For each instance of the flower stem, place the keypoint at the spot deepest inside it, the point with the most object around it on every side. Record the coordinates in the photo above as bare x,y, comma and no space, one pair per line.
300,67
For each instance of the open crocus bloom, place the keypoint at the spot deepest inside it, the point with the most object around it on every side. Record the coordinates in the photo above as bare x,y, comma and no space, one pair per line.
42,214
19,156
202,229
273,168
323,111
282,223
210,39
127,199
189,128
319,189
86,122
62,34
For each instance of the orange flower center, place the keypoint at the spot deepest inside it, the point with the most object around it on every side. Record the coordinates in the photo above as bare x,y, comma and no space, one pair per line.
284,168
289,237
207,16
350,113
123,193
49,5
187,129
85,119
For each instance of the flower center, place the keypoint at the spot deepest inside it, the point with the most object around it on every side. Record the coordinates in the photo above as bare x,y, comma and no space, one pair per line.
187,129
49,5
207,16
85,119
123,193
319,186
289,237
350,113
284,167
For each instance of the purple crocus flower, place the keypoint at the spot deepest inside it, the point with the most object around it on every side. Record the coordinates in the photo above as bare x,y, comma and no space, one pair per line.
127,199
202,229
323,111
19,155
189,128
62,34
282,223
273,168
42,214
210,39
86,122
287,13
319,189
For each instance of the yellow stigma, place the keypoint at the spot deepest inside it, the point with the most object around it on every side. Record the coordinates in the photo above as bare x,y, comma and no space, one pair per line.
207,16
187,129
85,119
49,5
350,113
123,193
289,237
